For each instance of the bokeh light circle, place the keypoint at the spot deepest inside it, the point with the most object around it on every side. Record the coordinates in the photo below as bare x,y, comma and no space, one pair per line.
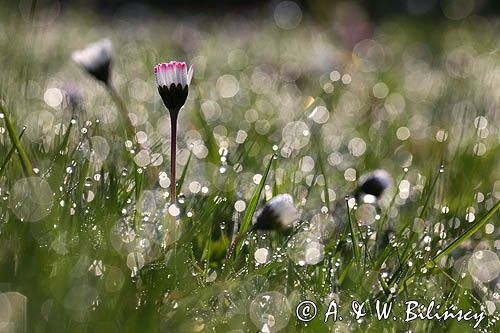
31,199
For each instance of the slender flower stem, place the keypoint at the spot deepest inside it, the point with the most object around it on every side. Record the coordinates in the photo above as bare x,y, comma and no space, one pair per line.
173,151
122,108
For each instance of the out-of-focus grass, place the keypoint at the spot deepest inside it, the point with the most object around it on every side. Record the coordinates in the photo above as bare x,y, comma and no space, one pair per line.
418,101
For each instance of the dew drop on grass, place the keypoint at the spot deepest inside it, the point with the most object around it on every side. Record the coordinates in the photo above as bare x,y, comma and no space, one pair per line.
470,217
88,182
212,276
257,178
89,196
181,198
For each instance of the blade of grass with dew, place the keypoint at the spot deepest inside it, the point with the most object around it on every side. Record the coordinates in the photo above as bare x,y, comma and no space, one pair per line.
139,180
252,206
25,162
405,256
184,172
213,148
388,249
355,248
9,155
421,215
453,245
322,169
344,272
465,235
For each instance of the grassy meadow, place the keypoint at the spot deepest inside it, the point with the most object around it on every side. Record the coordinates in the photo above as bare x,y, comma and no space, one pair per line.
275,106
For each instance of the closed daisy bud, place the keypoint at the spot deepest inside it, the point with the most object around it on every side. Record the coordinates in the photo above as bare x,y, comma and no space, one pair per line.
372,185
279,213
173,81
96,59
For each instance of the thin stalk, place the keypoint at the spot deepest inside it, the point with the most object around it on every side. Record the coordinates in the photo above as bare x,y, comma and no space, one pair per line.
122,108
173,152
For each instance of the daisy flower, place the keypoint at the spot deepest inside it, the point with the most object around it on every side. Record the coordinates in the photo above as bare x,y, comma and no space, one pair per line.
279,213
372,185
173,81
96,59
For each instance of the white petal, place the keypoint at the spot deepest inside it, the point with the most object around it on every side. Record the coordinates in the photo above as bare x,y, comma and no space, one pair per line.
169,75
178,75
184,75
94,55
164,76
190,74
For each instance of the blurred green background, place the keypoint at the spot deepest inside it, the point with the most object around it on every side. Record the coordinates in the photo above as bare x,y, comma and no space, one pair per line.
334,88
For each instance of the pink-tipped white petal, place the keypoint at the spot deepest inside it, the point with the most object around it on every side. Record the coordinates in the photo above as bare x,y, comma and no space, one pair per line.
182,73
163,74
190,74
158,74
170,74
176,74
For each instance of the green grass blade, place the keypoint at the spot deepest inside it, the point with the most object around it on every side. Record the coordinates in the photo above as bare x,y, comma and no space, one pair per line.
9,155
252,206
213,148
184,172
25,162
467,233
355,248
